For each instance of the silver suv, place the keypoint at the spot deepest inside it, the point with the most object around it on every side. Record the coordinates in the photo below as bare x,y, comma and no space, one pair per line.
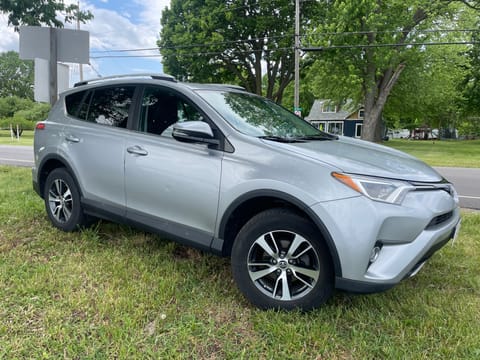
299,211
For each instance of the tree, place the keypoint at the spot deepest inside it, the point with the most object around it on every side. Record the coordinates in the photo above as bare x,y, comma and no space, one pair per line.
429,93
41,12
21,114
232,41
355,62
16,76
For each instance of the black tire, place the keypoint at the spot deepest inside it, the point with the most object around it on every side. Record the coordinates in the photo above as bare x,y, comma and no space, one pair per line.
280,261
62,201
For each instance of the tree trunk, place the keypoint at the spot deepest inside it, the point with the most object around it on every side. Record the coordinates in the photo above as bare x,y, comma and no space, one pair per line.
376,96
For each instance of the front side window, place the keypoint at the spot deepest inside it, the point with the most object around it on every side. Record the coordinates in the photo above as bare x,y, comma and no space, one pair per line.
161,109
110,106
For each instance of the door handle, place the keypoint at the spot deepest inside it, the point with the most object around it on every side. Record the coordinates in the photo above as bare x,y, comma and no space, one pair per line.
137,150
71,138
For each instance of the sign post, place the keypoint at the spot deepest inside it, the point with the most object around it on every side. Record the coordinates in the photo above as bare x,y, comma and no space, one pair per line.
53,45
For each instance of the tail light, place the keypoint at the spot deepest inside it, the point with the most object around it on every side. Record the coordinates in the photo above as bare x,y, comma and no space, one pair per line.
40,126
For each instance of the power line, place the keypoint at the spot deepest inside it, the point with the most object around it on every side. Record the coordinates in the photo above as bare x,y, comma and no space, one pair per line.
194,53
322,48
267,38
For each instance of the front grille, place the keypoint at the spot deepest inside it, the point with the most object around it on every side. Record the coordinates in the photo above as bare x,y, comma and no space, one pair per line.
437,220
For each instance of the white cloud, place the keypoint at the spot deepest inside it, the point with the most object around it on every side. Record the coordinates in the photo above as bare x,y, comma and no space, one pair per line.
136,26
9,38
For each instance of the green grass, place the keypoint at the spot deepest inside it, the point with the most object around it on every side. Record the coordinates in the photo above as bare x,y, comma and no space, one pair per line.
441,153
114,292
25,139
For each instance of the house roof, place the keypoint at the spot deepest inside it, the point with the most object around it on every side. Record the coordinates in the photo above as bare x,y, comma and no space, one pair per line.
316,113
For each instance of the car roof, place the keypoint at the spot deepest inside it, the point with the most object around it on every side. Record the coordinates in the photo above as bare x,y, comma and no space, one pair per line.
147,78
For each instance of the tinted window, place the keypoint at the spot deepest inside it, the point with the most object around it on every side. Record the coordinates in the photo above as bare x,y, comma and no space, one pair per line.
110,106
73,102
162,108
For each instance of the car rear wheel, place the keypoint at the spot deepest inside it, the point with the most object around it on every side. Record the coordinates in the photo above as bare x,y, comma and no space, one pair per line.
280,261
62,201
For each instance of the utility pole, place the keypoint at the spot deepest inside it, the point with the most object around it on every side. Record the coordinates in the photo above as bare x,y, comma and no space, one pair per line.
296,101
78,28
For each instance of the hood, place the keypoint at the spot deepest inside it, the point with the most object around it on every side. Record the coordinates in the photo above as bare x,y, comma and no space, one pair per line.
362,157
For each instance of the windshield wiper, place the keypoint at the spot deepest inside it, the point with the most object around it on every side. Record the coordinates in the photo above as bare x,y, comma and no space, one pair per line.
318,137
282,139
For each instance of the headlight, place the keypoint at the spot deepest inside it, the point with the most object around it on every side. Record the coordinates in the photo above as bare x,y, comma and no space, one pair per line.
378,189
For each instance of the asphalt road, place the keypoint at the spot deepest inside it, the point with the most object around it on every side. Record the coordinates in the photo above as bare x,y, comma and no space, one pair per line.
466,180
16,155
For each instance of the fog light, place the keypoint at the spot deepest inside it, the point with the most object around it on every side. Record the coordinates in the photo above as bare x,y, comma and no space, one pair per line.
375,253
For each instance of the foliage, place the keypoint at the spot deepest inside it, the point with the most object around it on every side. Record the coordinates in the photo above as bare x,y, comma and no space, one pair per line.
115,292
232,41
41,12
471,81
21,113
16,76
428,93
355,63
10,105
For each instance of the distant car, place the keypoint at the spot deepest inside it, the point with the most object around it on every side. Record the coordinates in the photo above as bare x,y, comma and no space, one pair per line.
299,211
399,134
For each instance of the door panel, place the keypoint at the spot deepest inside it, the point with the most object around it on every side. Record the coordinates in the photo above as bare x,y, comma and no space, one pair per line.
171,186
173,182
95,143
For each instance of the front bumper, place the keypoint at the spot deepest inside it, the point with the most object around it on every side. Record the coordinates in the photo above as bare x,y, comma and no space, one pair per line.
407,235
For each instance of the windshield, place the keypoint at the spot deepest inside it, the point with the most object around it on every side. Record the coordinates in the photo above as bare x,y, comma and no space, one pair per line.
260,117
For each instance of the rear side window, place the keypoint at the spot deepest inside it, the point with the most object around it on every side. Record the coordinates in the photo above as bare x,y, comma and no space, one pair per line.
73,102
110,106
106,106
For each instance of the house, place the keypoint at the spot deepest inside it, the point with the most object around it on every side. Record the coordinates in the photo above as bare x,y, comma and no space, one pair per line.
346,119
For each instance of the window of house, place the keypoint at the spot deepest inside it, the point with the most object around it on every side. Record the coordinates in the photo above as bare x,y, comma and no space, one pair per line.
335,127
110,106
361,114
329,107
358,130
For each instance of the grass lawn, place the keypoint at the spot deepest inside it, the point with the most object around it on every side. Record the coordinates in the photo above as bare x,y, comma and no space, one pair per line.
441,153
25,139
114,292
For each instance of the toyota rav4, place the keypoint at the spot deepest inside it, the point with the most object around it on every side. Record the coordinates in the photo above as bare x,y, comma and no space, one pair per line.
299,211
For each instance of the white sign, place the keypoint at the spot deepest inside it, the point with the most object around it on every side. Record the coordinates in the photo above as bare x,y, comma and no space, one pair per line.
41,89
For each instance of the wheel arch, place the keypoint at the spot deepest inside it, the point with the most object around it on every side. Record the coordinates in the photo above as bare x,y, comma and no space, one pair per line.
253,203
50,163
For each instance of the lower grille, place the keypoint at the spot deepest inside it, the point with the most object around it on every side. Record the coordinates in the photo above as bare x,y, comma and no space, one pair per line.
437,220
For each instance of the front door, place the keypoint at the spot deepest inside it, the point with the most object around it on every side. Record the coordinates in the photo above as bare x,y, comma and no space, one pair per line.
171,186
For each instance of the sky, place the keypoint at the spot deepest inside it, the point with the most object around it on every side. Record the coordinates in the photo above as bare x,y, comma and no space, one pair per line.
117,25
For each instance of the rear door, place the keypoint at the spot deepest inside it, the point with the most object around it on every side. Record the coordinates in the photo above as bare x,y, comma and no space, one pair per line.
95,143
171,186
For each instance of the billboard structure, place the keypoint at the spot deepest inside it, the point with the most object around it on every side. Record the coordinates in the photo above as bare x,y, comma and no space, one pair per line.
52,45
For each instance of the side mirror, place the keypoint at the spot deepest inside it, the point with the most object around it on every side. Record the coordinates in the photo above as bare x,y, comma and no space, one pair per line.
194,132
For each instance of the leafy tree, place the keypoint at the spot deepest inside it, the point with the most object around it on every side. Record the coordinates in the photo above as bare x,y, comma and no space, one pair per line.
235,41
10,105
356,64
16,76
428,94
41,12
21,114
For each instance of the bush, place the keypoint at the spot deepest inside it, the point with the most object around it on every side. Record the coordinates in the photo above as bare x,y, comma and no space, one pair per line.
19,123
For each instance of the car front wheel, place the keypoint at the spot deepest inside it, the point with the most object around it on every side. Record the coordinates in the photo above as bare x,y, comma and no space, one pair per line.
280,261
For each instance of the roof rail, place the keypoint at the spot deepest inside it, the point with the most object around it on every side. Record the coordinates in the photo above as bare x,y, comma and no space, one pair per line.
153,76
